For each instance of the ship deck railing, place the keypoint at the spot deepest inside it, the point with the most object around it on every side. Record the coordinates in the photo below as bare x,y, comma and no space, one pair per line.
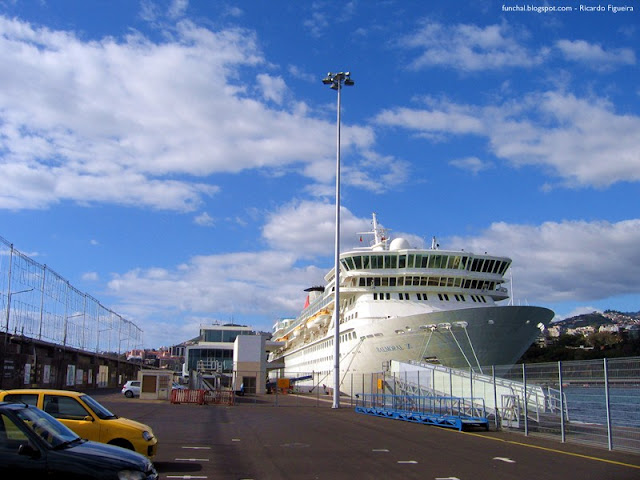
451,412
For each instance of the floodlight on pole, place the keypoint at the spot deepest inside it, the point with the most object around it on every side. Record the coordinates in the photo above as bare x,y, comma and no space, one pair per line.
336,80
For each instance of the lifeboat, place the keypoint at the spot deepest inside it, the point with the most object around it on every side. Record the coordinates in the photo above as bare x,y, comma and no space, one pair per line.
318,320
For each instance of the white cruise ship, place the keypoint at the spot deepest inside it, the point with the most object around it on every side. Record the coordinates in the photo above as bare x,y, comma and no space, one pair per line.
402,303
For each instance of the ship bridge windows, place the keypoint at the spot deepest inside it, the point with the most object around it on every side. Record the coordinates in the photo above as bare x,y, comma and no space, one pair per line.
424,261
391,261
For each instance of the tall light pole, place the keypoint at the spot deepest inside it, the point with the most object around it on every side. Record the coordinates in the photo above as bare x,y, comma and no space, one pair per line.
336,80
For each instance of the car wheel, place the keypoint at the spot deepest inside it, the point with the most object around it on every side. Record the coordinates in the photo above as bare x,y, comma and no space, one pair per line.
128,394
119,442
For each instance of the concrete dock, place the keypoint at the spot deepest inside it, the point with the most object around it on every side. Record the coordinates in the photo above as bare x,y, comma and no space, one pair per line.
294,440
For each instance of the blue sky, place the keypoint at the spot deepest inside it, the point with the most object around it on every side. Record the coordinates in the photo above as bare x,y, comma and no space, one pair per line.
176,159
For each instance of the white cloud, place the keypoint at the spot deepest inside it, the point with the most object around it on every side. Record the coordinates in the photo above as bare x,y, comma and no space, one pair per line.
267,282
471,164
441,118
234,11
270,281
566,261
469,47
308,228
296,72
583,140
132,122
583,310
177,8
90,276
273,88
594,55
204,220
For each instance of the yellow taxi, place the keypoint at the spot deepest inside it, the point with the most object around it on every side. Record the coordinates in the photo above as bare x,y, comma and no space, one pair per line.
85,416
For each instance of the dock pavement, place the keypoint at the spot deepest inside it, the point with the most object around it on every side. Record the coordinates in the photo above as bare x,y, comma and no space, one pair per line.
303,439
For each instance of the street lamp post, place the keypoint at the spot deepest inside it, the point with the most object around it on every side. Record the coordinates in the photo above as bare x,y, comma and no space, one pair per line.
336,80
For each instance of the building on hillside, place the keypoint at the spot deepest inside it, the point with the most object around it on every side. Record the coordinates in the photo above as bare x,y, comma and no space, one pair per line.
555,331
584,331
613,328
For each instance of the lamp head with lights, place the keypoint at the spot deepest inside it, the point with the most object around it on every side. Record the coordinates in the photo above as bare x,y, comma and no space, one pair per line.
337,79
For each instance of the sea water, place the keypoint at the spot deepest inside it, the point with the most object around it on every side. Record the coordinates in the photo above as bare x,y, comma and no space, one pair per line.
588,404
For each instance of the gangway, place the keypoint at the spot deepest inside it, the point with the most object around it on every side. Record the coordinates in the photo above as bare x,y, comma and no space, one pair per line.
451,412
503,399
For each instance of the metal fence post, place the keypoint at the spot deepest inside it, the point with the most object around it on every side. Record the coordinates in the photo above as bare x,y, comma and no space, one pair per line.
471,384
394,384
606,396
351,382
526,407
563,433
495,395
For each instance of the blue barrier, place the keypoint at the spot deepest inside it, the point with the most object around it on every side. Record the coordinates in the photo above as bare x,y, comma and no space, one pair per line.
450,412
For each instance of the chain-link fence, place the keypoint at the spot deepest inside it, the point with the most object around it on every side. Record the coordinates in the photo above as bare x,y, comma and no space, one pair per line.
600,400
594,402
37,302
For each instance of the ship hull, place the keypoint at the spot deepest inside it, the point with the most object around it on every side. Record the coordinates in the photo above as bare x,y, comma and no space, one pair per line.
474,338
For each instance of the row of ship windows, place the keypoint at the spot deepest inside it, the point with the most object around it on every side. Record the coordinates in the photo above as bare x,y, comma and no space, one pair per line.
327,343
324,345
455,282
455,262
444,297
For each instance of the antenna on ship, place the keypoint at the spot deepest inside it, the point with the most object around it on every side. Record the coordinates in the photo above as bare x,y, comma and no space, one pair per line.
376,233
380,235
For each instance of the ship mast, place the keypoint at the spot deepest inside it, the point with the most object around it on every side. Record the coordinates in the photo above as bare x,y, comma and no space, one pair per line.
376,233
380,237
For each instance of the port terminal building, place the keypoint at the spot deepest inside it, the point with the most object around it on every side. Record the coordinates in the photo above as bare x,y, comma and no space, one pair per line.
230,356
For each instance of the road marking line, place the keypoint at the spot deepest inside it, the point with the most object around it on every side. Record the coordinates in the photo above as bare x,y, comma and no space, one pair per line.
185,477
407,461
235,439
579,455
192,459
504,459
198,448
380,450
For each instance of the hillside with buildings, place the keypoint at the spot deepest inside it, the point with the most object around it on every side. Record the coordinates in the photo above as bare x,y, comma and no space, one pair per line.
588,336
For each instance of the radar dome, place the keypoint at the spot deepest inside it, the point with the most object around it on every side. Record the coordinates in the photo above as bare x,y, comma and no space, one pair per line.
399,244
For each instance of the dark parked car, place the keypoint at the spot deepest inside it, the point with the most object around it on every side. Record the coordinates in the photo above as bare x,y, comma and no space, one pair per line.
33,444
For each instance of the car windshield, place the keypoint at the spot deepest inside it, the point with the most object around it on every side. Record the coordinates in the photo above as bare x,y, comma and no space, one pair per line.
98,409
50,429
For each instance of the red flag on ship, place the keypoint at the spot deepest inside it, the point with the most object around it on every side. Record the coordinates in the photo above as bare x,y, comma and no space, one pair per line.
306,303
